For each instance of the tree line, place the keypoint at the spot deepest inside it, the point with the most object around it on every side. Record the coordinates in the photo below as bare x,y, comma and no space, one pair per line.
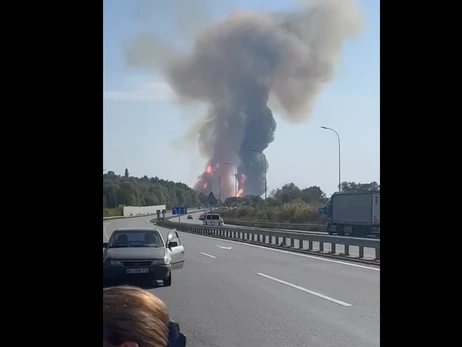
126,190
288,203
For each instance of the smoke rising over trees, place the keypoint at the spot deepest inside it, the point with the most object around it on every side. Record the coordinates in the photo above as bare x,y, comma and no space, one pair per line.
236,65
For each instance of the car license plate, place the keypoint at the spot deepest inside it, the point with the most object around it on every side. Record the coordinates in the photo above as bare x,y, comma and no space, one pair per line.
137,271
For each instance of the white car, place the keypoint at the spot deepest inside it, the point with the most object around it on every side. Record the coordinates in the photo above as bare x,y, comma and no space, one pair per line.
212,219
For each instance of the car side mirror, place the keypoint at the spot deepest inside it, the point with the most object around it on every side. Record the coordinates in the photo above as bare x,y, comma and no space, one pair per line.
172,244
105,244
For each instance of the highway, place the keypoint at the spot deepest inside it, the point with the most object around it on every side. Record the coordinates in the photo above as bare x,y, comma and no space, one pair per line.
354,251
233,294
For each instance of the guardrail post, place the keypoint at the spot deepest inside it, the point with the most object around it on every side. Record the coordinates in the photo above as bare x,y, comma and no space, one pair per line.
347,249
284,238
333,248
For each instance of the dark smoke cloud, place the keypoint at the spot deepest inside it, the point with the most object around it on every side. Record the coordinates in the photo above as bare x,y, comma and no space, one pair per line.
238,63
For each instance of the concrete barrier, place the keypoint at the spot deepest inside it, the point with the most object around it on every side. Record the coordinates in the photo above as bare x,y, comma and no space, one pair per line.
124,217
151,214
368,250
141,210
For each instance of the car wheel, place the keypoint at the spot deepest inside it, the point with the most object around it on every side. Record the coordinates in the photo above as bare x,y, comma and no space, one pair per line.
168,281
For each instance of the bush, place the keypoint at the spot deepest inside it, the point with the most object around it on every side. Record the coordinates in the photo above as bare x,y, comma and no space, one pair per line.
298,212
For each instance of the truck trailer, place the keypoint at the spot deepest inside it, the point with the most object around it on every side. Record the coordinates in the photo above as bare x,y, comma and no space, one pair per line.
356,214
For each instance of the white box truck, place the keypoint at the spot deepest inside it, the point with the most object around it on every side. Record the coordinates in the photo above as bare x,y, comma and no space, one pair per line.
356,214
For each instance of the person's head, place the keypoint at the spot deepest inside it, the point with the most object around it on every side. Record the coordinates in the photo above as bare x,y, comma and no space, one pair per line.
133,317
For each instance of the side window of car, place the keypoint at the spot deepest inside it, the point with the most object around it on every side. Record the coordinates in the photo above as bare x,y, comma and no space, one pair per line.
177,238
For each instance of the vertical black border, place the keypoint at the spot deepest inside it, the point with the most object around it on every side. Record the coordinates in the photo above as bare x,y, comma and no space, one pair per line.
416,219
57,245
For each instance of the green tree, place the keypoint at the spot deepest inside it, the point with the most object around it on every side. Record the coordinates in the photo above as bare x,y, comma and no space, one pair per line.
353,187
125,190
288,203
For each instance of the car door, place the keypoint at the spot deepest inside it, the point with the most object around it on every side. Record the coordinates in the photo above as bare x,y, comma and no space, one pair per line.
176,250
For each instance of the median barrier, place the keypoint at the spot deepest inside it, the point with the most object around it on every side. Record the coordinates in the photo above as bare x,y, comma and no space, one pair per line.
125,217
276,225
365,250
150,214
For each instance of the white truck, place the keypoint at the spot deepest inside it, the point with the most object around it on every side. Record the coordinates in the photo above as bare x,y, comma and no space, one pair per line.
356,214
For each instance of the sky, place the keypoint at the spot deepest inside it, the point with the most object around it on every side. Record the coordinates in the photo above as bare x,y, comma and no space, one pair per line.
144,128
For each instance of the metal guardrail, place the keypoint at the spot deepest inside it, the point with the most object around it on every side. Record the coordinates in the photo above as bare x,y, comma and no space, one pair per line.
368,250
275,225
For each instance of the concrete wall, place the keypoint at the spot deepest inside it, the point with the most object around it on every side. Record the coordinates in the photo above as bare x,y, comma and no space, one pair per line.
141,210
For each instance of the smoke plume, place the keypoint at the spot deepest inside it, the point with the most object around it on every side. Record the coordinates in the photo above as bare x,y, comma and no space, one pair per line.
236,65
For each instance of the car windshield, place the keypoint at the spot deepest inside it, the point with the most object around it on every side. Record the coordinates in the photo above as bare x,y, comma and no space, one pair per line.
137,239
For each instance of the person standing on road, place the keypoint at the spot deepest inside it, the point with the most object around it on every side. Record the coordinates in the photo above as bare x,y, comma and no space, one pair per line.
133,317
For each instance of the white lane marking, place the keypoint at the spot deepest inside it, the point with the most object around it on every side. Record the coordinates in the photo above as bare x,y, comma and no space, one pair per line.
208,255
223,247
293,253
319,295
296,254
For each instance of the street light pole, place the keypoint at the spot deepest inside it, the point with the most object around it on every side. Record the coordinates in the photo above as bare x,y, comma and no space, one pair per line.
211,191
339,161
235,177
219,188
263,154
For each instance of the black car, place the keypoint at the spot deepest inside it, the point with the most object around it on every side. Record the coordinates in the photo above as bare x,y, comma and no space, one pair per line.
141,254
190,217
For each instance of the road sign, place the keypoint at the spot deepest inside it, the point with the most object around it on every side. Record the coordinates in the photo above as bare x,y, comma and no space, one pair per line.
212,200
179,210
321,211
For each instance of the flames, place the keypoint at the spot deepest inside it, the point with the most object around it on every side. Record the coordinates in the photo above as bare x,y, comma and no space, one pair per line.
222,180
240,191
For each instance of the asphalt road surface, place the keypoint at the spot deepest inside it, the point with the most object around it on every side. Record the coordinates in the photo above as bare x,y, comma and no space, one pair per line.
231,294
